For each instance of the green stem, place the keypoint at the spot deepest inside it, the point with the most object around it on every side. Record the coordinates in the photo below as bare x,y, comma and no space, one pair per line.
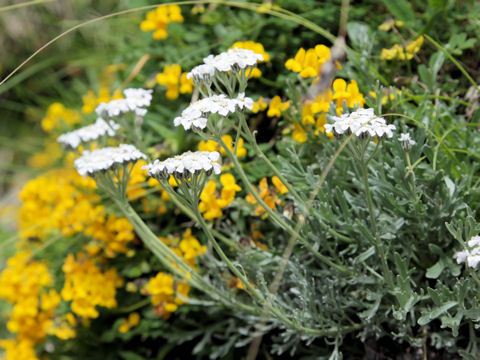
378,245
168,257
273,214
253,142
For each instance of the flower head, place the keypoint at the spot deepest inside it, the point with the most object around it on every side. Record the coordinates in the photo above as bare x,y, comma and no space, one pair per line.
232,60
406,141
88,133
472,255
189,163
105,158
362,123
195,116
135,101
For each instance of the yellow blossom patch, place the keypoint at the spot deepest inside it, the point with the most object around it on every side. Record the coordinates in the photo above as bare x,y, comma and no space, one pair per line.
402,52
210,145
276,107
308,63
175,81
60,119
92,100
87,286
24,283
166,293
268,195
158,19
259,105
211,202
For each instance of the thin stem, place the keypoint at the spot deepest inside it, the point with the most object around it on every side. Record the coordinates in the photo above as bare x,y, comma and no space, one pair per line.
274,216
378,245
300,201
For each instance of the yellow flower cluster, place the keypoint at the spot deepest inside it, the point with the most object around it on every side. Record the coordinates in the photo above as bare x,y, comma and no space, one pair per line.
187,247
23,283
309,63
259,105
18,349
167,294
130,322
211,204
59,118
270,196
158,19
211,145
65,201
402,52
389,24
91,100
87,286
256,48
63,327
175,81
314,115
276,107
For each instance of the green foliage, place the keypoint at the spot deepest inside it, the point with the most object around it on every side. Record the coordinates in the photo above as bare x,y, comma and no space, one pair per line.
374,259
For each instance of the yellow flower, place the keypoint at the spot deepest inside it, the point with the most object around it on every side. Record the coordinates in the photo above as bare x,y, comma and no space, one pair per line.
91,101
259,105
230,188
299,134
158,19
162,287
268,196
414,46
18,349
308,63
282,189
59,118
210,205
403,53
87,286
190,246
175,81
211,145
389,24
277,107
258,49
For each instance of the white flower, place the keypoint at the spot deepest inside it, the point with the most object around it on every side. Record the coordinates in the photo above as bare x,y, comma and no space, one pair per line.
472,255
406,141
362,123
138,97
88,133
184,165
135,101
104,158
231,60
196,115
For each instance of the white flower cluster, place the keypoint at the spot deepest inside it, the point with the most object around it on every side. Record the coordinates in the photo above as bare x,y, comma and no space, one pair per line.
135,101
182,166
196,115
406,141
88,133
362,122
471,256
232,60
104,158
